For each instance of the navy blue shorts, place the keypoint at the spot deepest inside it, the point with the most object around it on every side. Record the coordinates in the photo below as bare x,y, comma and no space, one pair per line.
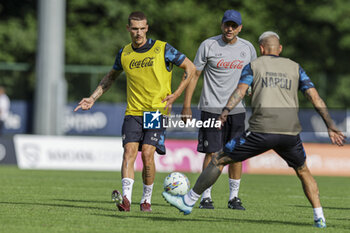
212,140
133,131
250,144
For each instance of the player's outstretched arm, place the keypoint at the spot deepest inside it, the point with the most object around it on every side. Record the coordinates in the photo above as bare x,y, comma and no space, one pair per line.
104,85
336,136
189,68
237,95
186,109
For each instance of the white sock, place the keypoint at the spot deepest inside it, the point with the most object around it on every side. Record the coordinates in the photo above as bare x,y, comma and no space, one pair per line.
207,193
234,187
147,193
127,184
191,198
318,213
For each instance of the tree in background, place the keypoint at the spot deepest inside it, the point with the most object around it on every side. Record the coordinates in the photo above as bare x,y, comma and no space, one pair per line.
314,33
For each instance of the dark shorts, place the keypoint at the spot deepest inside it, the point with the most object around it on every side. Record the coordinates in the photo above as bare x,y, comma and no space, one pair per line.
133,131
250,144
212,140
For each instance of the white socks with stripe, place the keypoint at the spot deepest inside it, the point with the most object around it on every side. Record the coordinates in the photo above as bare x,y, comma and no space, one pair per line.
234,187
191,198
207,193
127,184
147,193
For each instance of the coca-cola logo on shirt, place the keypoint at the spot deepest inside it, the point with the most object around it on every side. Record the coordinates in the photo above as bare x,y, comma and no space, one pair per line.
235,64
147,61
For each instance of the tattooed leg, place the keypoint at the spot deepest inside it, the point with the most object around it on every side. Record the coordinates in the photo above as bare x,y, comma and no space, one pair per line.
212,172
149,167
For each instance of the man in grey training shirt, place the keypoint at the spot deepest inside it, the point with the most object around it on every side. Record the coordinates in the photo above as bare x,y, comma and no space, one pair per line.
221,59
275,83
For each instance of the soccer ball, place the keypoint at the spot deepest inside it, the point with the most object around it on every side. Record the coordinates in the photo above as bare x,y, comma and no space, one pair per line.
176,183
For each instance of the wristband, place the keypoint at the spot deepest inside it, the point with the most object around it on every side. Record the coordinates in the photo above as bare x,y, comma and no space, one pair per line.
226,108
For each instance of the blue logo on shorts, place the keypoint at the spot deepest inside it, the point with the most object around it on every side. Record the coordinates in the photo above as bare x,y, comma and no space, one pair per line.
151,120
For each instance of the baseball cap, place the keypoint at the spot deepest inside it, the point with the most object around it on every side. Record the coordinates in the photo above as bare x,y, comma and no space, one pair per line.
232,15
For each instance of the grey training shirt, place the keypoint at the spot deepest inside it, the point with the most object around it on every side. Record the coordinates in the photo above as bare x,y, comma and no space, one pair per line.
222,65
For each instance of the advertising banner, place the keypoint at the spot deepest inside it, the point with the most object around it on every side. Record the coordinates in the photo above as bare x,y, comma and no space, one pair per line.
18,120
71,153
106,119
322,159
103,119
181,155
106,153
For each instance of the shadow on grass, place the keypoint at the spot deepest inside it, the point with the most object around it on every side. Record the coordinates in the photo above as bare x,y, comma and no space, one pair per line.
157,204
215,220
104,202
84,201
112,208
324,207
123,215
58,205
202,219
151,216
268,222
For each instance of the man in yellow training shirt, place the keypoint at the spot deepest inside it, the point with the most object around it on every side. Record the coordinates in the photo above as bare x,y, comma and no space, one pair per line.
148,67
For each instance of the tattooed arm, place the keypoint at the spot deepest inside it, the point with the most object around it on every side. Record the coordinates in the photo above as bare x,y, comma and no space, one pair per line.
189,69
334,133
105,84
237,95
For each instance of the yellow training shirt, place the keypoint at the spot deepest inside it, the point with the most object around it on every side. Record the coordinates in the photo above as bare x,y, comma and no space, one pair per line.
148,80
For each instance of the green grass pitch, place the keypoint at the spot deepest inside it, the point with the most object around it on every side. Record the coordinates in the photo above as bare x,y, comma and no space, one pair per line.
79,201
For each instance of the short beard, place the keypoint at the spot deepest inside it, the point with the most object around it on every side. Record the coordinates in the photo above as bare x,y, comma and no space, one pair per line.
229,40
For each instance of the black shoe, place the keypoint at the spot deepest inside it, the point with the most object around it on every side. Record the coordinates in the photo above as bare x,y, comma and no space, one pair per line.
206,203
235,203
